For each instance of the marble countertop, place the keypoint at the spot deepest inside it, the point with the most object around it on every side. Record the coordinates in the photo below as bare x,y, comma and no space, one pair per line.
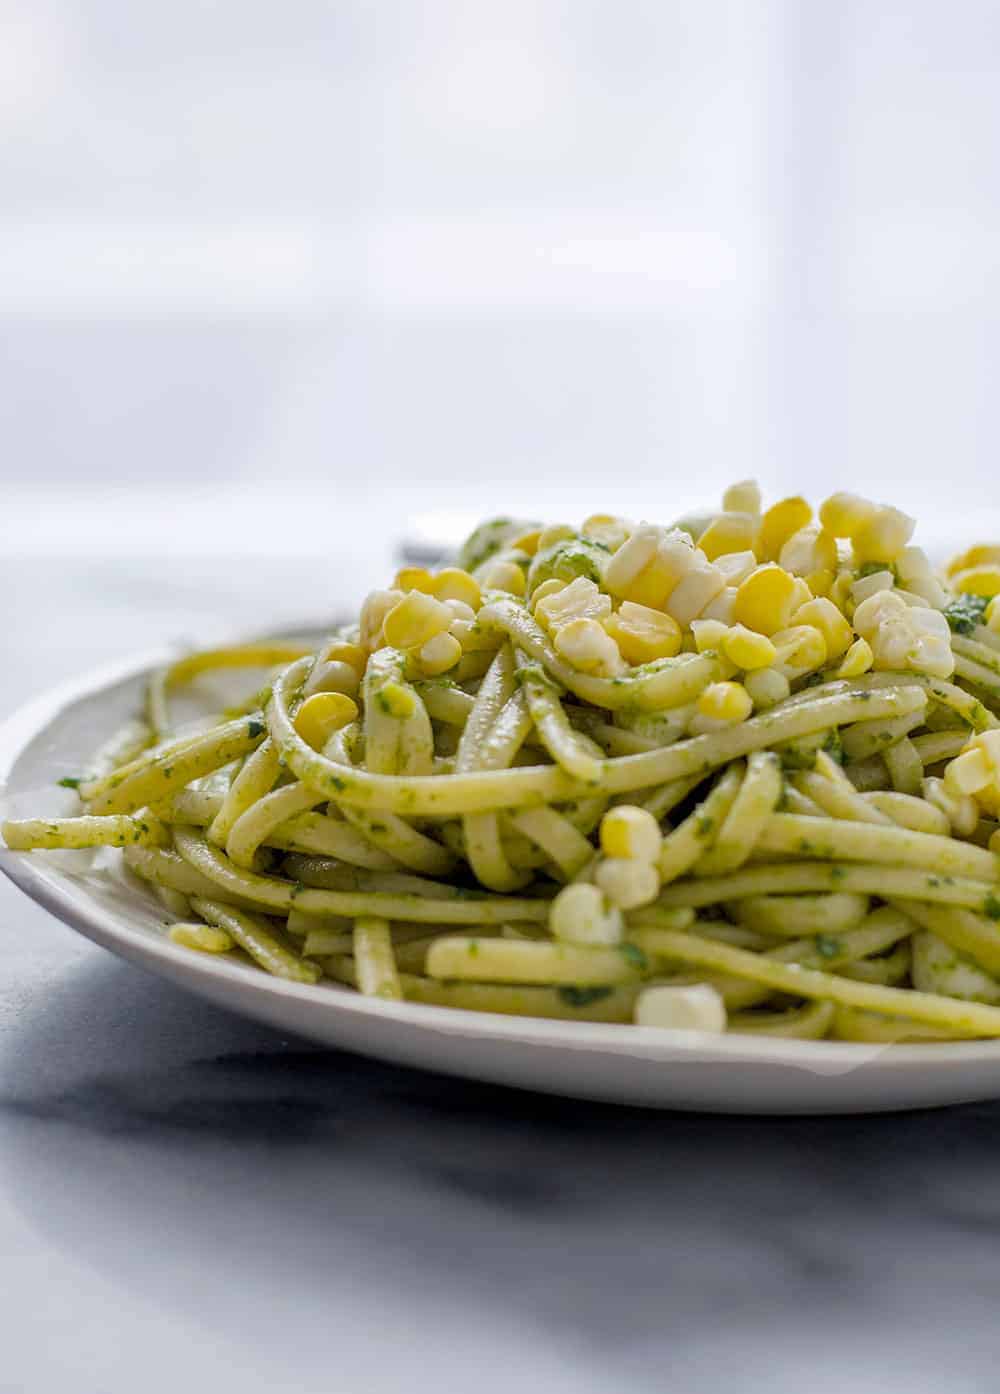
191,1200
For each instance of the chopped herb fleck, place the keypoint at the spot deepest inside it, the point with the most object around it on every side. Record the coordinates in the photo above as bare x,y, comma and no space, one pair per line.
827,946
965,612
255,729
991,907
837,873
70,781
634,955
583,996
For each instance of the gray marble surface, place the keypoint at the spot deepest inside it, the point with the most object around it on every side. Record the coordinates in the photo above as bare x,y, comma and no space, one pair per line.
188,1200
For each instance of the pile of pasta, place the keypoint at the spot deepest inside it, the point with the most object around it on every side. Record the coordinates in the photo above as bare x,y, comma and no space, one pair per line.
741,773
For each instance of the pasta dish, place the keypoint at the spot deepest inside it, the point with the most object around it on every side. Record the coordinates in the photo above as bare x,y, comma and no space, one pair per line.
739,773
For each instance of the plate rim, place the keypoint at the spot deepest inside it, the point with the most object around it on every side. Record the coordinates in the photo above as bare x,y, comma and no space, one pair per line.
58,894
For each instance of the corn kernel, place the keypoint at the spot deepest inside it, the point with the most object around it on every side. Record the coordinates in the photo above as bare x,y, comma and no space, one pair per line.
743,497
642,634
396,700
729,532
808,550
528,542
736,566
668,1008
857,660
439,654
353,654
631,559
747,649
801,647
723,607
550,587
698,588
455,584
580,600
333,677
579,914
982,554
820,582
978,580
837,633
883,537
846,514
725,701
652,586
474,637
708,635
589,648
555,532
504,576
627,883
414,578
630,831
961,810
992,616
778,524
321,715
767,687
840,591
606,528
414,620
373,612
764,601
967,773
206,938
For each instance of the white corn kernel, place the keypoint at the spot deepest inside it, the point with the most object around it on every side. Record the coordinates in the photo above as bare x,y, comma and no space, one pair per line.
626,882
439,654
373,613
589,648
736,566
694,591
695,1008
867,586
580,914
767,687
743,497
580,600
631,558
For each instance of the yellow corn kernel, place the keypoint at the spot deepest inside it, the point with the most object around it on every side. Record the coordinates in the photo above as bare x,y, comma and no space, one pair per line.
627,883
747,649
504,576
743,497
808,550
846,514
801,647
353,654
830,622
414,578
606,528
555,532
729,532
439,654
779,523
840,591
708,635
550,587
725,701
374,610
322,714
652,586
206,938
978,580
630,831
968,773
883,537
820,582
857,660
455,584
630,560
982,554
414,620
767,687
642,634
580,600
528,542
765,600
588,647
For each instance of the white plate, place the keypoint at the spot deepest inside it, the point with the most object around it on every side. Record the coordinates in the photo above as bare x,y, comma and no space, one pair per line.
52,737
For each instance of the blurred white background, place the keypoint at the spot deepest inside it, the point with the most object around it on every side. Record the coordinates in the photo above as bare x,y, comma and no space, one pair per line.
273,273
